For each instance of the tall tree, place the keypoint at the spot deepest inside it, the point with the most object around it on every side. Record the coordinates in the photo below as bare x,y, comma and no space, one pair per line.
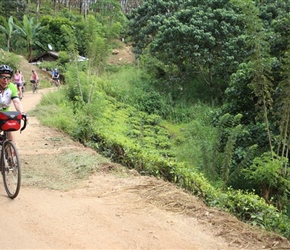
201,40
29,30
283,111
260,60
58,31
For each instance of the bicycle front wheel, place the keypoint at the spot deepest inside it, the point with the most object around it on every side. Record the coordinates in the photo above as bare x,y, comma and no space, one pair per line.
11,170
33,88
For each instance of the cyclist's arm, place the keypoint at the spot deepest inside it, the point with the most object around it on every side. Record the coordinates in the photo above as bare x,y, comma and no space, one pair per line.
17,105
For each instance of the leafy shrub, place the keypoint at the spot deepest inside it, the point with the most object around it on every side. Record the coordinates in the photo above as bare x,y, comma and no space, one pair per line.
10,59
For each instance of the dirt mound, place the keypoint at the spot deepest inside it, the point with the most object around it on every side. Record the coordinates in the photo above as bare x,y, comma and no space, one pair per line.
121,55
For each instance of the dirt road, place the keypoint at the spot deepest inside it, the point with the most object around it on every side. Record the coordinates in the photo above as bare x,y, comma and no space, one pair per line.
112,209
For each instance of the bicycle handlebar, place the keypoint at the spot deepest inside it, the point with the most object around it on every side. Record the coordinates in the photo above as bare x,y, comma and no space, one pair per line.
25,119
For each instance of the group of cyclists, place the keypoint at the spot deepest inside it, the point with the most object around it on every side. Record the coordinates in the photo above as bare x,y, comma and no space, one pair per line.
19,81
11,91
12,87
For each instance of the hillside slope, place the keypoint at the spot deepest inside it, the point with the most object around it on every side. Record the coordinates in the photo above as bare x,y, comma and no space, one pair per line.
59,207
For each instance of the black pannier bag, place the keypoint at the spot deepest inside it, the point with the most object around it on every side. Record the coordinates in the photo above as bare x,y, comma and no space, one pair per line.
10,120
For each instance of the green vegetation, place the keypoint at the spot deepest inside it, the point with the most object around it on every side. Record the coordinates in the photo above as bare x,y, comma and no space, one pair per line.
206,105
155,147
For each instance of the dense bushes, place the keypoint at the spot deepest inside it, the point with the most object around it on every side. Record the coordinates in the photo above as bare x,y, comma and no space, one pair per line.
143,142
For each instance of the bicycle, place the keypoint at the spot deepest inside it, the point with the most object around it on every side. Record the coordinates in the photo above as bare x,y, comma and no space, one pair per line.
34,86
56,82
9,160
23,88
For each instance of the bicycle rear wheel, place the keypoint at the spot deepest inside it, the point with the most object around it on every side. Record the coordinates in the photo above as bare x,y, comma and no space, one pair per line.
11,170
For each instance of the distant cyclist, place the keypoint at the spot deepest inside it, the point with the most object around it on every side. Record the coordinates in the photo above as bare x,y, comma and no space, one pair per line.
22,84
34,80
55,77
18,82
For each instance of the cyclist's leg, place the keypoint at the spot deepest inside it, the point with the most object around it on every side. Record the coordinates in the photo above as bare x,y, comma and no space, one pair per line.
19,90
55,81
11,137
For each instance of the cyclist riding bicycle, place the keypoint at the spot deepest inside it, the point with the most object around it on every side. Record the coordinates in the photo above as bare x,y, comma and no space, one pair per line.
8,93
34,80
18,82
55,77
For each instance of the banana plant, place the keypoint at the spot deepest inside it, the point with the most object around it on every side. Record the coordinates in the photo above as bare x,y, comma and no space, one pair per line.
8,29
29,31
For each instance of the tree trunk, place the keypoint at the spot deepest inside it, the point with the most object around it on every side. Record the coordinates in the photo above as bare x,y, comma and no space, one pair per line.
81,7
265,193
37,9
54,6
86,4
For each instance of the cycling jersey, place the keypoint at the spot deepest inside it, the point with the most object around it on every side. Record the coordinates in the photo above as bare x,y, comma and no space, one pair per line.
17,78
55,75
7,95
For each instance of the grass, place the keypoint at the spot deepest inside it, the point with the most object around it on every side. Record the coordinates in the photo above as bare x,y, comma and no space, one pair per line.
64,170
